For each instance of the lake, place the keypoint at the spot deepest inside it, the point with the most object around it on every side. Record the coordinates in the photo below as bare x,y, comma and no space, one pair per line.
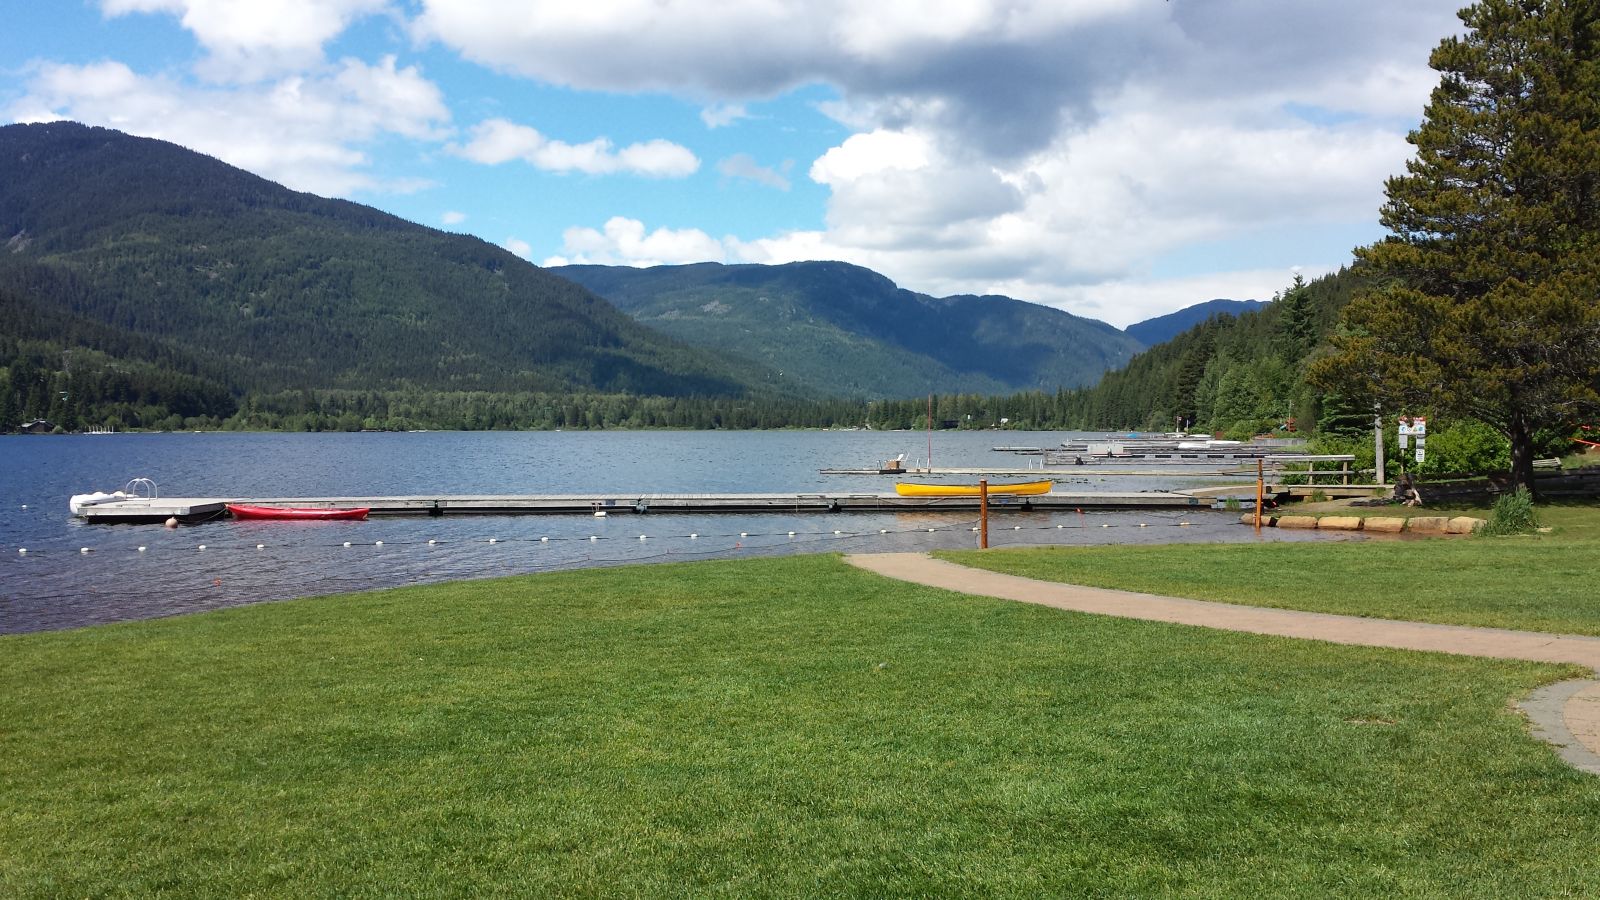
55,584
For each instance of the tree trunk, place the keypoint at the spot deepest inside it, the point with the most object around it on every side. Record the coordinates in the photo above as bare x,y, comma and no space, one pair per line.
1521,455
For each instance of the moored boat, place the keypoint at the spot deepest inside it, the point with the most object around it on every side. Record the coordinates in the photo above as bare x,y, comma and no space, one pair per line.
248,511
1020,489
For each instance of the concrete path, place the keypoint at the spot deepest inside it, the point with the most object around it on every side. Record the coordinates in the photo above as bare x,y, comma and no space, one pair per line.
1568,718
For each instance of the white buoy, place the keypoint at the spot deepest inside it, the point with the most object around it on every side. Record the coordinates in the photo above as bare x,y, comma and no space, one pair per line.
141,549
377,543
974,528
83,549
172,522
431,542
494,540
693,536
1143,525
744,534
1016,528
791,534
258,547
24,506
641,537
23,550
347,543
1059,527
592,538
883,531
930,531
544,540
202,547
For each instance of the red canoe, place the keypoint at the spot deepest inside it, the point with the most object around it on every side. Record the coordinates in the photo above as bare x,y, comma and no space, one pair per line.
246,511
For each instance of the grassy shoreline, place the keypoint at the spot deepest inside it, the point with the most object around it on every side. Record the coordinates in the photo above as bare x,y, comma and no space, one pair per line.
762,727
1537,582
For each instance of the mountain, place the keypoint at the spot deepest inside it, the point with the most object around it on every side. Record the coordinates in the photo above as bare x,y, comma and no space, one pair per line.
842,330
1240,374
1161,329
146,254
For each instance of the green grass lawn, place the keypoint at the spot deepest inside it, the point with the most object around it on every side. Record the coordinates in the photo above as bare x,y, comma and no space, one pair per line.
1543,582
763,727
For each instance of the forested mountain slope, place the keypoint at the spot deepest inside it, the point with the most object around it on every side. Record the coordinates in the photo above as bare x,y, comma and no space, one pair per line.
142,251
1161,329
1244,373
842,330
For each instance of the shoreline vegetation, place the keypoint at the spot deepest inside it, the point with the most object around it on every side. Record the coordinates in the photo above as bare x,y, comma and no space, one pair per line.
1533,582
777,727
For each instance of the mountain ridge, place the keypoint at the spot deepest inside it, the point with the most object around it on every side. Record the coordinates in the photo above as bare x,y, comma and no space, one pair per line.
844,330
1164,328
281,289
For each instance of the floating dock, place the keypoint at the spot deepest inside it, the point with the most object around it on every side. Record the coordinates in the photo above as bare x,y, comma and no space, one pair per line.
202,509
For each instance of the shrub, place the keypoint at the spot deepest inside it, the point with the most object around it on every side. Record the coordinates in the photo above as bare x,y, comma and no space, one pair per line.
1512,514
1467,447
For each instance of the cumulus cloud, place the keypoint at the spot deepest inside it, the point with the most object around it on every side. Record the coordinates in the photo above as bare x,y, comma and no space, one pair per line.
304,131
497,141
743,167
1033,147
625,242
251,41
518,246
452,217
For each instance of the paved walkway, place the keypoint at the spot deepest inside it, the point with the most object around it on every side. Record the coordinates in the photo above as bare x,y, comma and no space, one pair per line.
1568,717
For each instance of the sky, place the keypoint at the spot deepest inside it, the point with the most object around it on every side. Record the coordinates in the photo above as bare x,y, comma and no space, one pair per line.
1118,159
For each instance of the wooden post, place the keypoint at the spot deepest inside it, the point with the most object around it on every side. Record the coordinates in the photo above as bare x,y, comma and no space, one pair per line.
1261,490
983,513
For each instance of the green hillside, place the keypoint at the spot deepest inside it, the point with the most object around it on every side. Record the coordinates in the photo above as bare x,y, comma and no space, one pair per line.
1244,373
147,253
842,330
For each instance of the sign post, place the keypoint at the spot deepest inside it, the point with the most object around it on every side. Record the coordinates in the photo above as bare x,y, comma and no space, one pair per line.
1261,491
983,514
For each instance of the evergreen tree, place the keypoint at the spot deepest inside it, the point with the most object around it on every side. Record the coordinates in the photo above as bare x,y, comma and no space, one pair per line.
1491,306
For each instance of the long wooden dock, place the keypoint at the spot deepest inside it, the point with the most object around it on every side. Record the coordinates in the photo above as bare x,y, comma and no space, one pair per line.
199,509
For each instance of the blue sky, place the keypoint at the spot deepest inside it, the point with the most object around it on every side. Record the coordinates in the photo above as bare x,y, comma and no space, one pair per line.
1115,158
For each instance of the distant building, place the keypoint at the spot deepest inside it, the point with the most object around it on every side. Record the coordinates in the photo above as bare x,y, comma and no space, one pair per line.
37,426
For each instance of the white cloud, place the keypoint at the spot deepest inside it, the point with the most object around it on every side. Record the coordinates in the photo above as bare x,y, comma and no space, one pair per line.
1044,145
497,141
743,167
452,217
518,246
250,41
304,131
625,242
722,115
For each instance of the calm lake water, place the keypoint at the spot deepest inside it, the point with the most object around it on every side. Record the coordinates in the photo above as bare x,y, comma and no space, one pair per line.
56,585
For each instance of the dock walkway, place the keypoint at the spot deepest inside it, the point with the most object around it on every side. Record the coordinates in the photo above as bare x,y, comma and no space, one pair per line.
196,509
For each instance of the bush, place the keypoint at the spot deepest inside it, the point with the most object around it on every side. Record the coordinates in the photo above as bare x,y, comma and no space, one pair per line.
1512,514
1466,447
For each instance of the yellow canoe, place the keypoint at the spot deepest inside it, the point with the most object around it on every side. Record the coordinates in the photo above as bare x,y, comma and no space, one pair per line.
1026,488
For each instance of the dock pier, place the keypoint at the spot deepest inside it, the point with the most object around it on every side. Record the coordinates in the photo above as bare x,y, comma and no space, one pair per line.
202,509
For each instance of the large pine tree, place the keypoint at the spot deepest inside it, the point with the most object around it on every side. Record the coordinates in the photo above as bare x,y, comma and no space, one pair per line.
1490,306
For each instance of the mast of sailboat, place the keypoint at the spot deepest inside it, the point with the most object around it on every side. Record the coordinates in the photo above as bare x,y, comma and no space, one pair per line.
930,434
